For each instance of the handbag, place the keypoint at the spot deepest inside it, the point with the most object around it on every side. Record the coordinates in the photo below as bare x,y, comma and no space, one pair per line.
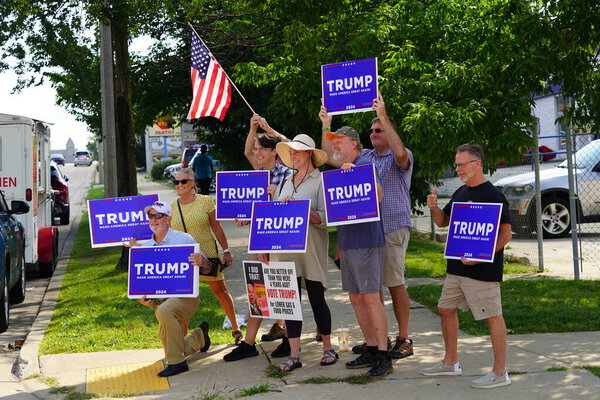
214,263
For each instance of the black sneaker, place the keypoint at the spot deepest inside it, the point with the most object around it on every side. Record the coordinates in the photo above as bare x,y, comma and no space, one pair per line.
382,366
174,369
362,361
204,326
360,348
244,350
283,350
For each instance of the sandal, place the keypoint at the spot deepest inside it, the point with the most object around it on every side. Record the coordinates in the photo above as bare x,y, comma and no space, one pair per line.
290,364
330,357
238,337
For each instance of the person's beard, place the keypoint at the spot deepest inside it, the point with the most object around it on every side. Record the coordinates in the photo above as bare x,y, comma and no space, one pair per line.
158,228
337,155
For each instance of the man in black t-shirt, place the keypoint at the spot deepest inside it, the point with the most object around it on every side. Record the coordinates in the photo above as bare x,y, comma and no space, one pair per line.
472,284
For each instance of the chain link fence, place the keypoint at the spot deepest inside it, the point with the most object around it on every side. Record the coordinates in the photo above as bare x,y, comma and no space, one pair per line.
557,251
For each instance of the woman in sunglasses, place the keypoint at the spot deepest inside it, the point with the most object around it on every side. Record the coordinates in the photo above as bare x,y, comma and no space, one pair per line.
195,214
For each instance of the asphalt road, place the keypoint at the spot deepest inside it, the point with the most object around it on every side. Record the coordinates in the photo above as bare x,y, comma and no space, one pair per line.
23,315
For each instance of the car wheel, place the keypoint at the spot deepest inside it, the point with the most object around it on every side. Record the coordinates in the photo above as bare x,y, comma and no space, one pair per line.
4,315
17,293
556,217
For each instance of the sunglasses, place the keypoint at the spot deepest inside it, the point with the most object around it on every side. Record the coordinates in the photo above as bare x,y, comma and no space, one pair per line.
156,216
183,181
376,130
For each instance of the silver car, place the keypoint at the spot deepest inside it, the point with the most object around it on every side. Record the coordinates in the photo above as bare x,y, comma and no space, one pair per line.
554,186
82,157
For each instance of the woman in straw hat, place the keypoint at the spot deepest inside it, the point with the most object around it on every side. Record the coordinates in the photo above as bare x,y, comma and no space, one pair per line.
311,267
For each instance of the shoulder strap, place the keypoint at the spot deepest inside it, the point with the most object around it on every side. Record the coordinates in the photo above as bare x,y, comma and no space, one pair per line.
181,215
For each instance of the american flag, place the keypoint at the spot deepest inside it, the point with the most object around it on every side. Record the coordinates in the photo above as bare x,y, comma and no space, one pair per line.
212,90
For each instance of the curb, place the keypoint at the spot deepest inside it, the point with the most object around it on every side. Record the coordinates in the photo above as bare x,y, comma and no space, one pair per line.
28,362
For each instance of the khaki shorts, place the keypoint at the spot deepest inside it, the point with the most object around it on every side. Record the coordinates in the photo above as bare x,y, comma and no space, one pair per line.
394,254
483,298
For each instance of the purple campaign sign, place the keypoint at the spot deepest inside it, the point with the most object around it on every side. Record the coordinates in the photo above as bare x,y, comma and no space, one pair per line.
473,231
237,190
162,271
119,219
350,197
350,86
279,228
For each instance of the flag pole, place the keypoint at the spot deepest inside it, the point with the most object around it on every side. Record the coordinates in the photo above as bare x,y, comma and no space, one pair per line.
228,78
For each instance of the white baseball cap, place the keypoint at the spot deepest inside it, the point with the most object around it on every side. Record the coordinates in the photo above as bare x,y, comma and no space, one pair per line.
159,206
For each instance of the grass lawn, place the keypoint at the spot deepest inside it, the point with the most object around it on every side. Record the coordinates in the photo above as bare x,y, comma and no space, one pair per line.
93,312
425,258
532,306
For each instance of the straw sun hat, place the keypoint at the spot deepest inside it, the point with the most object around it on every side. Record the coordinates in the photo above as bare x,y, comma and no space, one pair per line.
301,142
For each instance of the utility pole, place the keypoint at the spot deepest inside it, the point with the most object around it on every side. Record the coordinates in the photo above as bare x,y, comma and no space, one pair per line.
107,87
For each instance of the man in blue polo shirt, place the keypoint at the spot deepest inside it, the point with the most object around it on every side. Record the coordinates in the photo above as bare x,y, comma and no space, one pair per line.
361,259
394,165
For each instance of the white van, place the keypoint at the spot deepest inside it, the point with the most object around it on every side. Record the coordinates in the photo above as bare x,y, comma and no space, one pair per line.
25,176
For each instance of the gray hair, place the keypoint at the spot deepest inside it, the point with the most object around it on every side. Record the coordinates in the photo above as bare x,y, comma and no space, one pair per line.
473,149
188,171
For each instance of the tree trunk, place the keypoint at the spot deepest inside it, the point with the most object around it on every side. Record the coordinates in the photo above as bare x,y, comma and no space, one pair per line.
127,180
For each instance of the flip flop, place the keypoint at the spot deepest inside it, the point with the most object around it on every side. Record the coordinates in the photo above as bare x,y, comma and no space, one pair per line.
290,364
330,357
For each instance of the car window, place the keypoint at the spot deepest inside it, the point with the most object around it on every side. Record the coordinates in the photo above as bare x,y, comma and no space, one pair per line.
189,154
586,157
82,153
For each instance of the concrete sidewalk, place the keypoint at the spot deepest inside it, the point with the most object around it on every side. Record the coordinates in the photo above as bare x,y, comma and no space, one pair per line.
529,356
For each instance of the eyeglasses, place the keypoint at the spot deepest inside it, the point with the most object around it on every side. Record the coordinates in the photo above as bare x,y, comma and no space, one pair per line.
183,181
260,149
156,216
460,165
376,130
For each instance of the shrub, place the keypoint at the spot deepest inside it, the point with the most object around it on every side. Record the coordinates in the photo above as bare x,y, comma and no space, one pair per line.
158,168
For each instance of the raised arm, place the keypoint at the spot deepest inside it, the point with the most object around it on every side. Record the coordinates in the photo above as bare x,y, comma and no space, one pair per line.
250,140
267,128
326,144
396,144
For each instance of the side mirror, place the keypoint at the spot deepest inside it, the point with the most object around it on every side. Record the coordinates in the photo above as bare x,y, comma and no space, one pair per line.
66,178
19,207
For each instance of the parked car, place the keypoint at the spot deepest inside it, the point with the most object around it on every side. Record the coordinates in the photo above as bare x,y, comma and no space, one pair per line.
554,186
171,170
82,157
526,157
12,258
58,158
60,186
546,153
188,154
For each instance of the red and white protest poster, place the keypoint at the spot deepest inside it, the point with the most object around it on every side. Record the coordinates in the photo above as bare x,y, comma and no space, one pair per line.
272,290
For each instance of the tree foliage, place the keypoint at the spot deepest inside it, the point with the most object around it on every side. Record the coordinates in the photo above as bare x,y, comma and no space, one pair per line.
451,71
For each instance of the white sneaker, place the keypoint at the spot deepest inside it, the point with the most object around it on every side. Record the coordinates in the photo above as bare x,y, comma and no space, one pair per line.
441,369
491,381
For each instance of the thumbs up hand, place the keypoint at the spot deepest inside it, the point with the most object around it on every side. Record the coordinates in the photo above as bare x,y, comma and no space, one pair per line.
432,199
